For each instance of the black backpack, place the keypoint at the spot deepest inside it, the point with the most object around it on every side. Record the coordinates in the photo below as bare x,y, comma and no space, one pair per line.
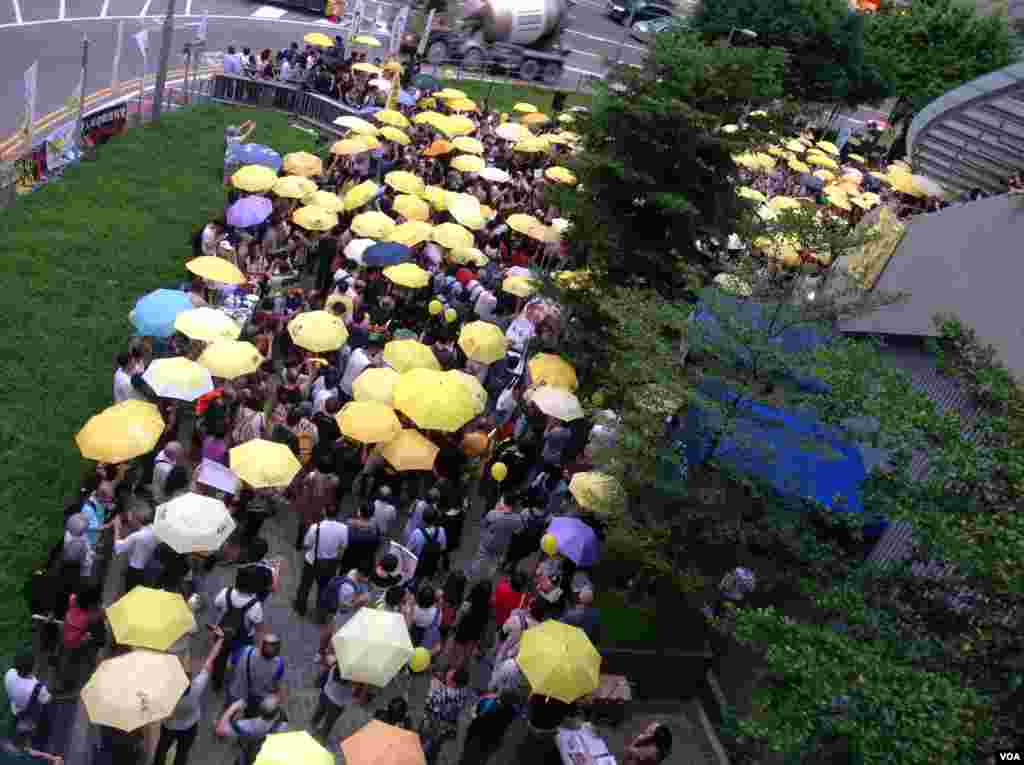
233,621
430,555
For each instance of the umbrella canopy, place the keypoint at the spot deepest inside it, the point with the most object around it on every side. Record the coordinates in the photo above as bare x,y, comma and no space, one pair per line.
522,223
452,236
325,200
556,402
411,233
559,661
512,131
438,149
468,163
179,378
264,464
318,39
318,331
313,218
378,743
406,355
549,369
519,286
371,142
359,195
348,147
254,178
466,208
456,125
465,255
368,422
407,275
192,523
292,747
385,254
249,211
215,269
468,145
576,540
475,388
121,432
373,225
366,68
437,196
207,324
369,42
411,208
525,108
560,175
229,359
135,689
409,450
303,163
450,93
395,135
433,399
495,175
531,145
293,187
463,105
256,154
357,125
391,117
154,314
376,384
594,490
148,618
372,647
484,342
404,182
354,250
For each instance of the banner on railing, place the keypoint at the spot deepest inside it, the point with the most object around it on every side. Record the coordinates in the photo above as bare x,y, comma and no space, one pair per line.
60,147
101,126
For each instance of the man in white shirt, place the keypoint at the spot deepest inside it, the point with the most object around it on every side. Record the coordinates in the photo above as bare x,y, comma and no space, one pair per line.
232,62
324,544
123,388
183,724
247,605
141,543
384,512
358,361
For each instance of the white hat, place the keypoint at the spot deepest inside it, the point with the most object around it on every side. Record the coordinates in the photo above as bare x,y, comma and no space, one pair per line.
226,245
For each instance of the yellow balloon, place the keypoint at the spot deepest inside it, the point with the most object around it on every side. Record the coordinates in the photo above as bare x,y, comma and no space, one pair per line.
450,315
499,471
549,544
435,307
420,659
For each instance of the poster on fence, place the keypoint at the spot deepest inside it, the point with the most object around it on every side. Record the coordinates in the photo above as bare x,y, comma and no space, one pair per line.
60,148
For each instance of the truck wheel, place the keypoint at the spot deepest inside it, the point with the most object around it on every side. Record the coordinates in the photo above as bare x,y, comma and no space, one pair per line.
529,69
473,59
552,74
437,53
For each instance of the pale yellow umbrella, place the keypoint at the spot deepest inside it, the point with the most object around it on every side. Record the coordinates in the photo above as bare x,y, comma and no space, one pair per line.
456,125
519,286
135,689
314,218
371,142
546,234
452,236
781,248
434,400
405,182
254,179
795,144
560,175
746,192
207,324
556,402
392,118
229,359
549,369
326,201
512,131
378,743
409,450
368,422
407,275
411,233
303,163
465,208
215,269
535,118
522,223
468,163
828,147
318,39
822,161
357,125
393,134
437,196
318,331
369,42
121,432
348,147
357,196
465,143
264,464
463,105
465,255
411,208
406,355
525,108
373,225
178,377
531,146
798,167
782,202
367,68
293,187
495,175
291,748
427,118
149,618
450,93
483,342
594,490
376,384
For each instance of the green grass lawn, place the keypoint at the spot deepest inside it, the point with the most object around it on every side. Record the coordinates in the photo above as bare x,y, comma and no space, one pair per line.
504,95
74,258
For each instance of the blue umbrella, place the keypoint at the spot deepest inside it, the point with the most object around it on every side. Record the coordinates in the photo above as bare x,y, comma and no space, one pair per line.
386,254
249,211
405,98
154,314
256,154
576,540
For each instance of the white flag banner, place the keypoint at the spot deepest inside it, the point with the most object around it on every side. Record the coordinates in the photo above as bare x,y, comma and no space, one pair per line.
31,80
398,29
426,34
115,78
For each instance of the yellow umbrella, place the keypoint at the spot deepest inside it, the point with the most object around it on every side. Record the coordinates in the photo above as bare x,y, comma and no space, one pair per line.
411,208
531,146
292,747
192,523
556,402
594,490
427,117
452,236
525,108
378,743
858,158
468,163
473,386
822,161
121,432
325,200
555,138
825,175
348,147
411,233
465,208
574,280
457,125
395,135
366,68
392,118
409,450
148,618
748,193
347,302
829,147
468,145
543,233
319,39
797,166
357,196
796,145
215,269
254,178
781,248
369,141
263,464
438,149
495,175
427,103
559,661
229,359
465,255
783,203
560,174
207,324
406,355
434,400
314,218
450,93
407,275
522,223
519,286
437,197
303,163
293,187
463,105
368,422
376,384
369,42
483,342
178,377
565,119
135,689
549,369
373,225
318,331
535,118
404,182
357,125
862,202
512,131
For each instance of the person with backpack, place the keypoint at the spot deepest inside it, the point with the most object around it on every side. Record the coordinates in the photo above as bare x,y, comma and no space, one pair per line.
424,619
258,673
325,545
498,528
240,618
428,544
341,598
28,696
251,729
526,541
363,540
418,510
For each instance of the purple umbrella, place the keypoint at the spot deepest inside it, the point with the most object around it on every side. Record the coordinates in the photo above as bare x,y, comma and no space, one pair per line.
576,540
249,211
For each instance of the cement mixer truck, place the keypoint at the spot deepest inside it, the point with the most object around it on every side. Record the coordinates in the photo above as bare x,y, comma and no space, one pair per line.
518,37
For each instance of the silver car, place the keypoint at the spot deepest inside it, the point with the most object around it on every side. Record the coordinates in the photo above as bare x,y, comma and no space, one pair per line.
644,31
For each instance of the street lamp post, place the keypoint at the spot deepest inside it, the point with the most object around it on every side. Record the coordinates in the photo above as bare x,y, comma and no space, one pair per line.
750,34
165,58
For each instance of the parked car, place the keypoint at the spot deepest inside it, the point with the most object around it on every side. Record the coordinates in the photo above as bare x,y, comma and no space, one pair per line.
644,31
637,10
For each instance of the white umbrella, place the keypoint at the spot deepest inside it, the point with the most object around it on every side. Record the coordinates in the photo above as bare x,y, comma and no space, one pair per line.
372,647
556,402
179,378
354,250
495,175
193,523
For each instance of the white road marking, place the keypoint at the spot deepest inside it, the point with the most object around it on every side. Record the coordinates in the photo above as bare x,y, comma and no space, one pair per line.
603,39
103,12
188,7
62,14
17,14
145,8
268,12
585,53
589,4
